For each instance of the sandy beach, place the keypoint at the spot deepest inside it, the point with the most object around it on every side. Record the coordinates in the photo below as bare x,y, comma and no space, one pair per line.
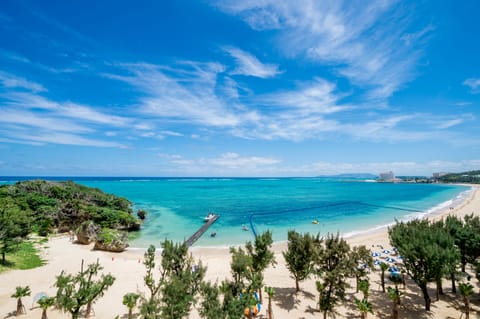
61,254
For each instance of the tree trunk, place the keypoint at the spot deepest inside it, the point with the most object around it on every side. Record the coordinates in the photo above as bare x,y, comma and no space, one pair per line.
426,297
324,314
44,314
383,280
130,313
395,310
467,307
75,314
454,287
270,312
357,279
297,286
3,256
399,301
19,307
261,296
89,309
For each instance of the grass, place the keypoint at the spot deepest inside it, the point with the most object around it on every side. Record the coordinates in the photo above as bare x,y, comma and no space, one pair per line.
25,257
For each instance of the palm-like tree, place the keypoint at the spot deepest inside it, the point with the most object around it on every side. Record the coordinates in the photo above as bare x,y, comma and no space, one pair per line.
130,300
270,292
21,292
383,268
466,290
45,303
364,307
394,295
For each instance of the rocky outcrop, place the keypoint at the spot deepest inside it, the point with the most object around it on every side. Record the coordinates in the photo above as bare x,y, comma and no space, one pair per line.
87,232
111,240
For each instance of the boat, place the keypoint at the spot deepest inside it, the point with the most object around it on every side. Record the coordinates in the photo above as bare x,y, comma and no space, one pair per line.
209,217
315,221
213,234
245,228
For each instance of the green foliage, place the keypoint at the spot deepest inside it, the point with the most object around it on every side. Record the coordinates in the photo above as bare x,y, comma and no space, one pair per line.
45,303
472,177
241,266
76,291
14,227
466,290
262,256
130,300
332,266
24,256
21,292
270,291
364,307
364,286
426,249
179,282
65,205
299,256
394,295
361,260
383,268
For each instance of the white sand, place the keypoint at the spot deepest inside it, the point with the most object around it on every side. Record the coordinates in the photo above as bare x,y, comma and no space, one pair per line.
129,270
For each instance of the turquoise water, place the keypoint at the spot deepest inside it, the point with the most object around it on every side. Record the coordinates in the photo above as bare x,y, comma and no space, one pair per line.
176,207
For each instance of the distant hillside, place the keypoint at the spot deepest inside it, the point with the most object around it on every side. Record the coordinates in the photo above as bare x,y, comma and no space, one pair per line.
472,177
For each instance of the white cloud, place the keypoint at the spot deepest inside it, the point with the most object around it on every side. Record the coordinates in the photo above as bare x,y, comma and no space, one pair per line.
234,161
366,42
11,81
185,91
66,139
248,64
317,97
473,84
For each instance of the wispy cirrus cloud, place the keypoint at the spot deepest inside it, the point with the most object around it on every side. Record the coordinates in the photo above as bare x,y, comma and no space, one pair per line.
11,81
29,117
473,84
226,164
368,43
186,91
249,65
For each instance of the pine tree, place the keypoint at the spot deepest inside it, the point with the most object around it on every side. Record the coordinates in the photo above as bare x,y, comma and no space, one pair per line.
332,268
300,256
383,268
262,257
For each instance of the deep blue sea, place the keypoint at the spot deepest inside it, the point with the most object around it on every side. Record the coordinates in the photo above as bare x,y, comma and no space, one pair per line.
176,206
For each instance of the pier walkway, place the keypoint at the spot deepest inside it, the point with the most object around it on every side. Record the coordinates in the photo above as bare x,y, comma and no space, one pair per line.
189,242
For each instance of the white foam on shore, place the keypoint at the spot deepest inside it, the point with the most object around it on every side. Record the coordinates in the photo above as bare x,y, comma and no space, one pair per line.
434,211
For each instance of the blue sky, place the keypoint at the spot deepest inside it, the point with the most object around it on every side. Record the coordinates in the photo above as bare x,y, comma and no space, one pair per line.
238,88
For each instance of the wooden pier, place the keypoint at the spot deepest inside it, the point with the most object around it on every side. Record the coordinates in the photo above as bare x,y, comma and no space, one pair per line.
201,231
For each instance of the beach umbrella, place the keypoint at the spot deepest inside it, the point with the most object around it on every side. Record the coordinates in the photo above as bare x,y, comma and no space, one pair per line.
377,262
386,251
375,254
390,260
393,269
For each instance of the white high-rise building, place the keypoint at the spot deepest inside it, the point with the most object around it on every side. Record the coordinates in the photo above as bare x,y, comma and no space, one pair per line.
386,177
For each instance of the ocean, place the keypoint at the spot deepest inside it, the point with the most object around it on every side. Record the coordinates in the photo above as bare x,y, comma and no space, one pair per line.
176,206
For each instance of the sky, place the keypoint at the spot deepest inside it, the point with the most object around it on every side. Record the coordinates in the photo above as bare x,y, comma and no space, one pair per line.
238,88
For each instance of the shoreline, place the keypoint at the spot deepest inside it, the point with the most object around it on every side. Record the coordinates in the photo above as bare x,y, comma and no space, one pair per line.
431,212
62,255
